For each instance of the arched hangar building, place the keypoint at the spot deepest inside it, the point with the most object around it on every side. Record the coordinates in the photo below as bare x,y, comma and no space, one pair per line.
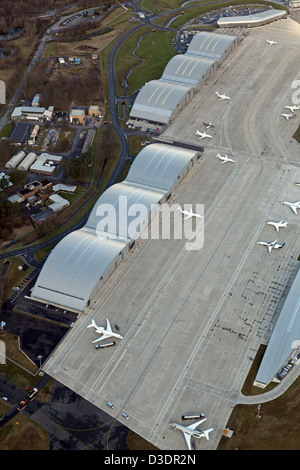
81,262
283,350
160,100
250,21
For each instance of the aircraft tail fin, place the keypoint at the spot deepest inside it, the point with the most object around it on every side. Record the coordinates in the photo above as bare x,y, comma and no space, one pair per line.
92,324
206,433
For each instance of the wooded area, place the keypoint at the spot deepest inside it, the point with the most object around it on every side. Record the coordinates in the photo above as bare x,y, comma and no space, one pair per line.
13,13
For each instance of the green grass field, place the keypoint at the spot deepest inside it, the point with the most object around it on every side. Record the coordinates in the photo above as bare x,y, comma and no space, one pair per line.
155,48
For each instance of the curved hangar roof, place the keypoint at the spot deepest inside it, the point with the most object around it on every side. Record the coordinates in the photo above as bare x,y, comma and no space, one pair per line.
73,269
210,45
69,275
157,100
251,20
186,69
159,165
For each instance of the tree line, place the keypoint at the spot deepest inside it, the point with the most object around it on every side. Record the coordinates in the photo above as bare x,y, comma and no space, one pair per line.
14,13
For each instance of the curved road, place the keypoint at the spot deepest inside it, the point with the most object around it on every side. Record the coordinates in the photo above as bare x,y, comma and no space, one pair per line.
114,119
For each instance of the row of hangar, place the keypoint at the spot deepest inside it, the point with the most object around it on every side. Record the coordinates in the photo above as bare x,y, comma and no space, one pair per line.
82,261
160,100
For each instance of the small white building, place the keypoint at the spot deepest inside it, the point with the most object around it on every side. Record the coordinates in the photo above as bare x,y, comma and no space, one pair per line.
58,203
15,160
36,100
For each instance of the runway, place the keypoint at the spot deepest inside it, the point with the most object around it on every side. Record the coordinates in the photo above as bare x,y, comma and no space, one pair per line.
192,321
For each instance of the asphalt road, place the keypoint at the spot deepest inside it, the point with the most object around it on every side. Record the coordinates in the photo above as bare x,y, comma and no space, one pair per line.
71,422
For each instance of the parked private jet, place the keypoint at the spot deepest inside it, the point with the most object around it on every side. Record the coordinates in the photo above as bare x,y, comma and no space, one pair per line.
203,135
208,124
191,431
292,108
222,97
288,116
277,225
271,245
293,205
189,213
106,333
225,159
271,42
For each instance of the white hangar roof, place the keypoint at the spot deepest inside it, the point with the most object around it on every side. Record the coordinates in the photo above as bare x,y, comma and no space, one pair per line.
157,100
186,69
159,165
74,267
210,45
251,20
114,213
285,337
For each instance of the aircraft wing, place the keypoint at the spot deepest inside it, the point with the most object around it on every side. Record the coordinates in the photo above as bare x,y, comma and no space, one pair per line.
108,327
187,217
194,425
100,339
270,249
188,439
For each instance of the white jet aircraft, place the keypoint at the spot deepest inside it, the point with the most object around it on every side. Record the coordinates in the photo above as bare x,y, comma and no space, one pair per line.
277,225
271,245
297,184
191,431
203,135
288,116
225,159
271,42
106,333
208,124
292,108
222,97
293,205
189,213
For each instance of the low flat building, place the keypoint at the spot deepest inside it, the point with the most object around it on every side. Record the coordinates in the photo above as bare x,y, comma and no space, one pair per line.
36,100
29,190
58,203
46,164
249,21
94,111
65,188
20,133
32,113
77,116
